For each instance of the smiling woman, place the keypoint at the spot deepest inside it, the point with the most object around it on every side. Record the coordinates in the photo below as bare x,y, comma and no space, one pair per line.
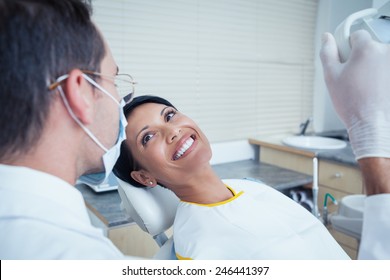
162,144
213,219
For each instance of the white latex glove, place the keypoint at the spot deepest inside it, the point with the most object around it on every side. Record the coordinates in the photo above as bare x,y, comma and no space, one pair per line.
360,92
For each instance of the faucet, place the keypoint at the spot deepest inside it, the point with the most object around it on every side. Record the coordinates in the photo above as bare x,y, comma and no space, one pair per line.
303,126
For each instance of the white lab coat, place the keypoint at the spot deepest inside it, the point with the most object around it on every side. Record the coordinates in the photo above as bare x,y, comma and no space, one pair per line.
43,217
257,223
375,242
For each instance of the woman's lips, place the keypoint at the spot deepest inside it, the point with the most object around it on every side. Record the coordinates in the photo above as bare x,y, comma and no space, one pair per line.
184,148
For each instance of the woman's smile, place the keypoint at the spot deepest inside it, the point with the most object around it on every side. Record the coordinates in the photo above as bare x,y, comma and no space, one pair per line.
185,146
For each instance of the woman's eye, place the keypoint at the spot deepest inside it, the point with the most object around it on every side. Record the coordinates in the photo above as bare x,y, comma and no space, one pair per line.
146,139
170,115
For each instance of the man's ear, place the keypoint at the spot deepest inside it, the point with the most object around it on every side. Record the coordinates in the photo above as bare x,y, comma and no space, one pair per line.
144,177
79,94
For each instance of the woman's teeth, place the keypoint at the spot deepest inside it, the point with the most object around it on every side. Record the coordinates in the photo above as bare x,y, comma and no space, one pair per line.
184,148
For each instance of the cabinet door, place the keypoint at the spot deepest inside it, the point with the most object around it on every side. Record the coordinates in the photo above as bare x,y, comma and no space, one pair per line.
349,244
339,181
288,160
340,177
132,241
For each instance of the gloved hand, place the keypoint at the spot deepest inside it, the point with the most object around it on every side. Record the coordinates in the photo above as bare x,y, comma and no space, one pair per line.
360,92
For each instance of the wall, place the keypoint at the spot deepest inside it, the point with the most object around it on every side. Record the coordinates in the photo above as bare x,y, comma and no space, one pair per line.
239,68
224,152
378,3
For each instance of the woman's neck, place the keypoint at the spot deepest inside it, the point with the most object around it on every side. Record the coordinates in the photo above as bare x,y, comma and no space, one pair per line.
203,188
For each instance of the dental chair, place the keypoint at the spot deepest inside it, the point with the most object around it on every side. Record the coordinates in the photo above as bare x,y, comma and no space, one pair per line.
153,210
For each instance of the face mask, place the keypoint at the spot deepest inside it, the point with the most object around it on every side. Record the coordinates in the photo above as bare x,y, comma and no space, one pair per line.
111,155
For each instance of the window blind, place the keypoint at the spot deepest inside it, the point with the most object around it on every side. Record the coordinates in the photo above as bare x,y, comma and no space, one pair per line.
239,68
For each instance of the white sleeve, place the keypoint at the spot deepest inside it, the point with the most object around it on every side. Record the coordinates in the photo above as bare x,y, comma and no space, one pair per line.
375,243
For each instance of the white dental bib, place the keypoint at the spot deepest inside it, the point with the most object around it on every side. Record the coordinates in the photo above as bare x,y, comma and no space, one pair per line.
257,223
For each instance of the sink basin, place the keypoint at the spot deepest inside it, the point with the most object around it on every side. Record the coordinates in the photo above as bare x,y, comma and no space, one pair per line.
314,142
352,206
349,217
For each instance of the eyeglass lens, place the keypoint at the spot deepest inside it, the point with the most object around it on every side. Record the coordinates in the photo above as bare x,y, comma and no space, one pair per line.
125,87
127,98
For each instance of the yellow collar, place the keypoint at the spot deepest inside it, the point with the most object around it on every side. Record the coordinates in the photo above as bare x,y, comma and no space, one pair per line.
235,195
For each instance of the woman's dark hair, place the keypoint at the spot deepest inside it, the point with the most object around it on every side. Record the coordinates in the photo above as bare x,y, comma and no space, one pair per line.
126,163
40,40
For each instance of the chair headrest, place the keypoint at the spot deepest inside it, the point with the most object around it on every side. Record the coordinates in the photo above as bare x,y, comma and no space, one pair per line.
153,209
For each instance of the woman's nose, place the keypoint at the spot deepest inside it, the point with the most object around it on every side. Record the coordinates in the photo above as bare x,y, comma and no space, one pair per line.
173,134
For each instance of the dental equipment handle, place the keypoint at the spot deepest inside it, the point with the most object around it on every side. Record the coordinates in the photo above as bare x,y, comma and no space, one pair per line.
315,188
331,197
325,209
376,22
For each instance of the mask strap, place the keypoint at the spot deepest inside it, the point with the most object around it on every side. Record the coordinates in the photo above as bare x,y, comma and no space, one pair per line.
86,130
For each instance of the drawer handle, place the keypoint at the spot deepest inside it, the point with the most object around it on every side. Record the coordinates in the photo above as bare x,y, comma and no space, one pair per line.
338,175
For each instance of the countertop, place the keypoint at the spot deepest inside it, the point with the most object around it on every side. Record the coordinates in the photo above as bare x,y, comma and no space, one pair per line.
106,205
343,156
274,176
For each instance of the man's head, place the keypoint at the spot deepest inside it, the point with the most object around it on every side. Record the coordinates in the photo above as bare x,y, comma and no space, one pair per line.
40,40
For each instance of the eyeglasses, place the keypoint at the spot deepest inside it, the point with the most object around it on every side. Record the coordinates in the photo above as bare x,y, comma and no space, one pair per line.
124,83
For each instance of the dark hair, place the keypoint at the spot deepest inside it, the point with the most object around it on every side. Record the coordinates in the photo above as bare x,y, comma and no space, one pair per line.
40,40
126,163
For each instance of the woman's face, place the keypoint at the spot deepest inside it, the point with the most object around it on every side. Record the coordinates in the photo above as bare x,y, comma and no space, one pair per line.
166,143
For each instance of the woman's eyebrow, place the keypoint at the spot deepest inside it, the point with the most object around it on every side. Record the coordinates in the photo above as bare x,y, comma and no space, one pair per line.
144,128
